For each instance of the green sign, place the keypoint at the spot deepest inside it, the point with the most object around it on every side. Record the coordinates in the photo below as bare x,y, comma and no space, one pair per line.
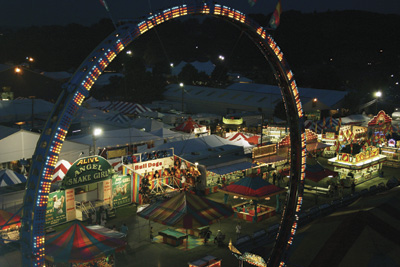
56,209
86,171
121,191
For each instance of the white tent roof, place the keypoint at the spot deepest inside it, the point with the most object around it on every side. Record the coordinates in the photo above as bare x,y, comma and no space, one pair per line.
114,138
22,144
21,109
148,124
196,144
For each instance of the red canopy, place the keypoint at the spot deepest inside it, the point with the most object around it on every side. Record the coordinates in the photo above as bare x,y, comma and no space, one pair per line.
188,126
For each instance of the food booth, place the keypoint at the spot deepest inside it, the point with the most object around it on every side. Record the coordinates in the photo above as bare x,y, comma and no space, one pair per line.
361,167
159,176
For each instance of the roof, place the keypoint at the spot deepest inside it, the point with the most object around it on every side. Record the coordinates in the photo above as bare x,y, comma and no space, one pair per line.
21,109
7,131
206,67
9,177
252,187
187,211
231,168
255,95
77,244
119,137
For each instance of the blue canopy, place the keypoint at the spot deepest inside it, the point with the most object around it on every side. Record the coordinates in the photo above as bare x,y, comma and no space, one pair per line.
9,177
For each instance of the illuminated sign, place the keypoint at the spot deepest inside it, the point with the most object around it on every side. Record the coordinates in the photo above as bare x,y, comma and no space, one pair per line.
87,170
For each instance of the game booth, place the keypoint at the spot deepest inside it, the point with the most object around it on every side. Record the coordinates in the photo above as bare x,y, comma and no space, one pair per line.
88,187
253,190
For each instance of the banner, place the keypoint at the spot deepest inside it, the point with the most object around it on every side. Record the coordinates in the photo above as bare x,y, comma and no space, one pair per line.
56,209
86,171
121,191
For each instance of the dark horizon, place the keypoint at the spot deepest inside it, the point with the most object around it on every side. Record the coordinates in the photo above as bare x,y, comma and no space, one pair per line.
25,13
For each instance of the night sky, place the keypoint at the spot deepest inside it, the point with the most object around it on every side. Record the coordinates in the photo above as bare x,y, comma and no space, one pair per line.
21,13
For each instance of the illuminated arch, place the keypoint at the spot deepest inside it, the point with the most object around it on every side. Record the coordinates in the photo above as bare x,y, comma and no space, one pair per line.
75,91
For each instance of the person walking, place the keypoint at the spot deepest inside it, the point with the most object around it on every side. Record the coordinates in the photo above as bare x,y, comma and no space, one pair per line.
151,233
238,230
274,178
353,188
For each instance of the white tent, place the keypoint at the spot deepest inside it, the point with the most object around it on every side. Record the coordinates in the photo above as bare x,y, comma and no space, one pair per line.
114,138
22,144
21,109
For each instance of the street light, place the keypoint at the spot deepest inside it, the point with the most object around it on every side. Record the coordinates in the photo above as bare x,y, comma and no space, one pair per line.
96,132
377,94
181,85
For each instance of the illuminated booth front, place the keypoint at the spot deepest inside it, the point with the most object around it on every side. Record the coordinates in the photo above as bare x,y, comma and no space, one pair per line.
361,167
89,184
162,175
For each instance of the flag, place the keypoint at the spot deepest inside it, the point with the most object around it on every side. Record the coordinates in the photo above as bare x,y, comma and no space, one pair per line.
276,16
103,2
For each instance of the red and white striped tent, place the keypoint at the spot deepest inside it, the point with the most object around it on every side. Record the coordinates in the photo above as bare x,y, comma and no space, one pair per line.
60,170
236,137
116,164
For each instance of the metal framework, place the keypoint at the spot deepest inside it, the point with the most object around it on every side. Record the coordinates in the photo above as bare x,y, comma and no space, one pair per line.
75,91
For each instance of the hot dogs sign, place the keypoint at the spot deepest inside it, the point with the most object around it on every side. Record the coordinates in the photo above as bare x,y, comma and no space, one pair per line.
87,170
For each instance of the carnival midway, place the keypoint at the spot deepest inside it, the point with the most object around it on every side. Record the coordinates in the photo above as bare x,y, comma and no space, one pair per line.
197,191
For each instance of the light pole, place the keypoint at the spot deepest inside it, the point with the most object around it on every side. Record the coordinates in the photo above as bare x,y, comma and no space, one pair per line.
377,95
182,87
96,132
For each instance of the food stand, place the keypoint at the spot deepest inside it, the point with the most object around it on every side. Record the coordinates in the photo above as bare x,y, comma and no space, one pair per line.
361,167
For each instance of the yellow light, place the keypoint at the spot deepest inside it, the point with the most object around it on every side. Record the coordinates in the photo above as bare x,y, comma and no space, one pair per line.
17,70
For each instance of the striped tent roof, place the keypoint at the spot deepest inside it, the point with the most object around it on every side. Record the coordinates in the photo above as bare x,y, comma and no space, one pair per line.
126,107
187,211
119,118
252,187
236,137
309,124
78,244
60,170
9,177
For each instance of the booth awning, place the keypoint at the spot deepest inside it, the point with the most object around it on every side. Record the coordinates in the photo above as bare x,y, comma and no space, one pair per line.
9,177
231,168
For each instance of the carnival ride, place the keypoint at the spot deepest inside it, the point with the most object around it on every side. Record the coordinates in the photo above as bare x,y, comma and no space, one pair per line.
78,88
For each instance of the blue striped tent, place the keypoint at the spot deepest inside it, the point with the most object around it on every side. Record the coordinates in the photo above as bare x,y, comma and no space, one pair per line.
9,177
119,118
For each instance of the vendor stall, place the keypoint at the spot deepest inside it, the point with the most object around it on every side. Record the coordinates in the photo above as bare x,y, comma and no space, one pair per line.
187,211
254,189
360,166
